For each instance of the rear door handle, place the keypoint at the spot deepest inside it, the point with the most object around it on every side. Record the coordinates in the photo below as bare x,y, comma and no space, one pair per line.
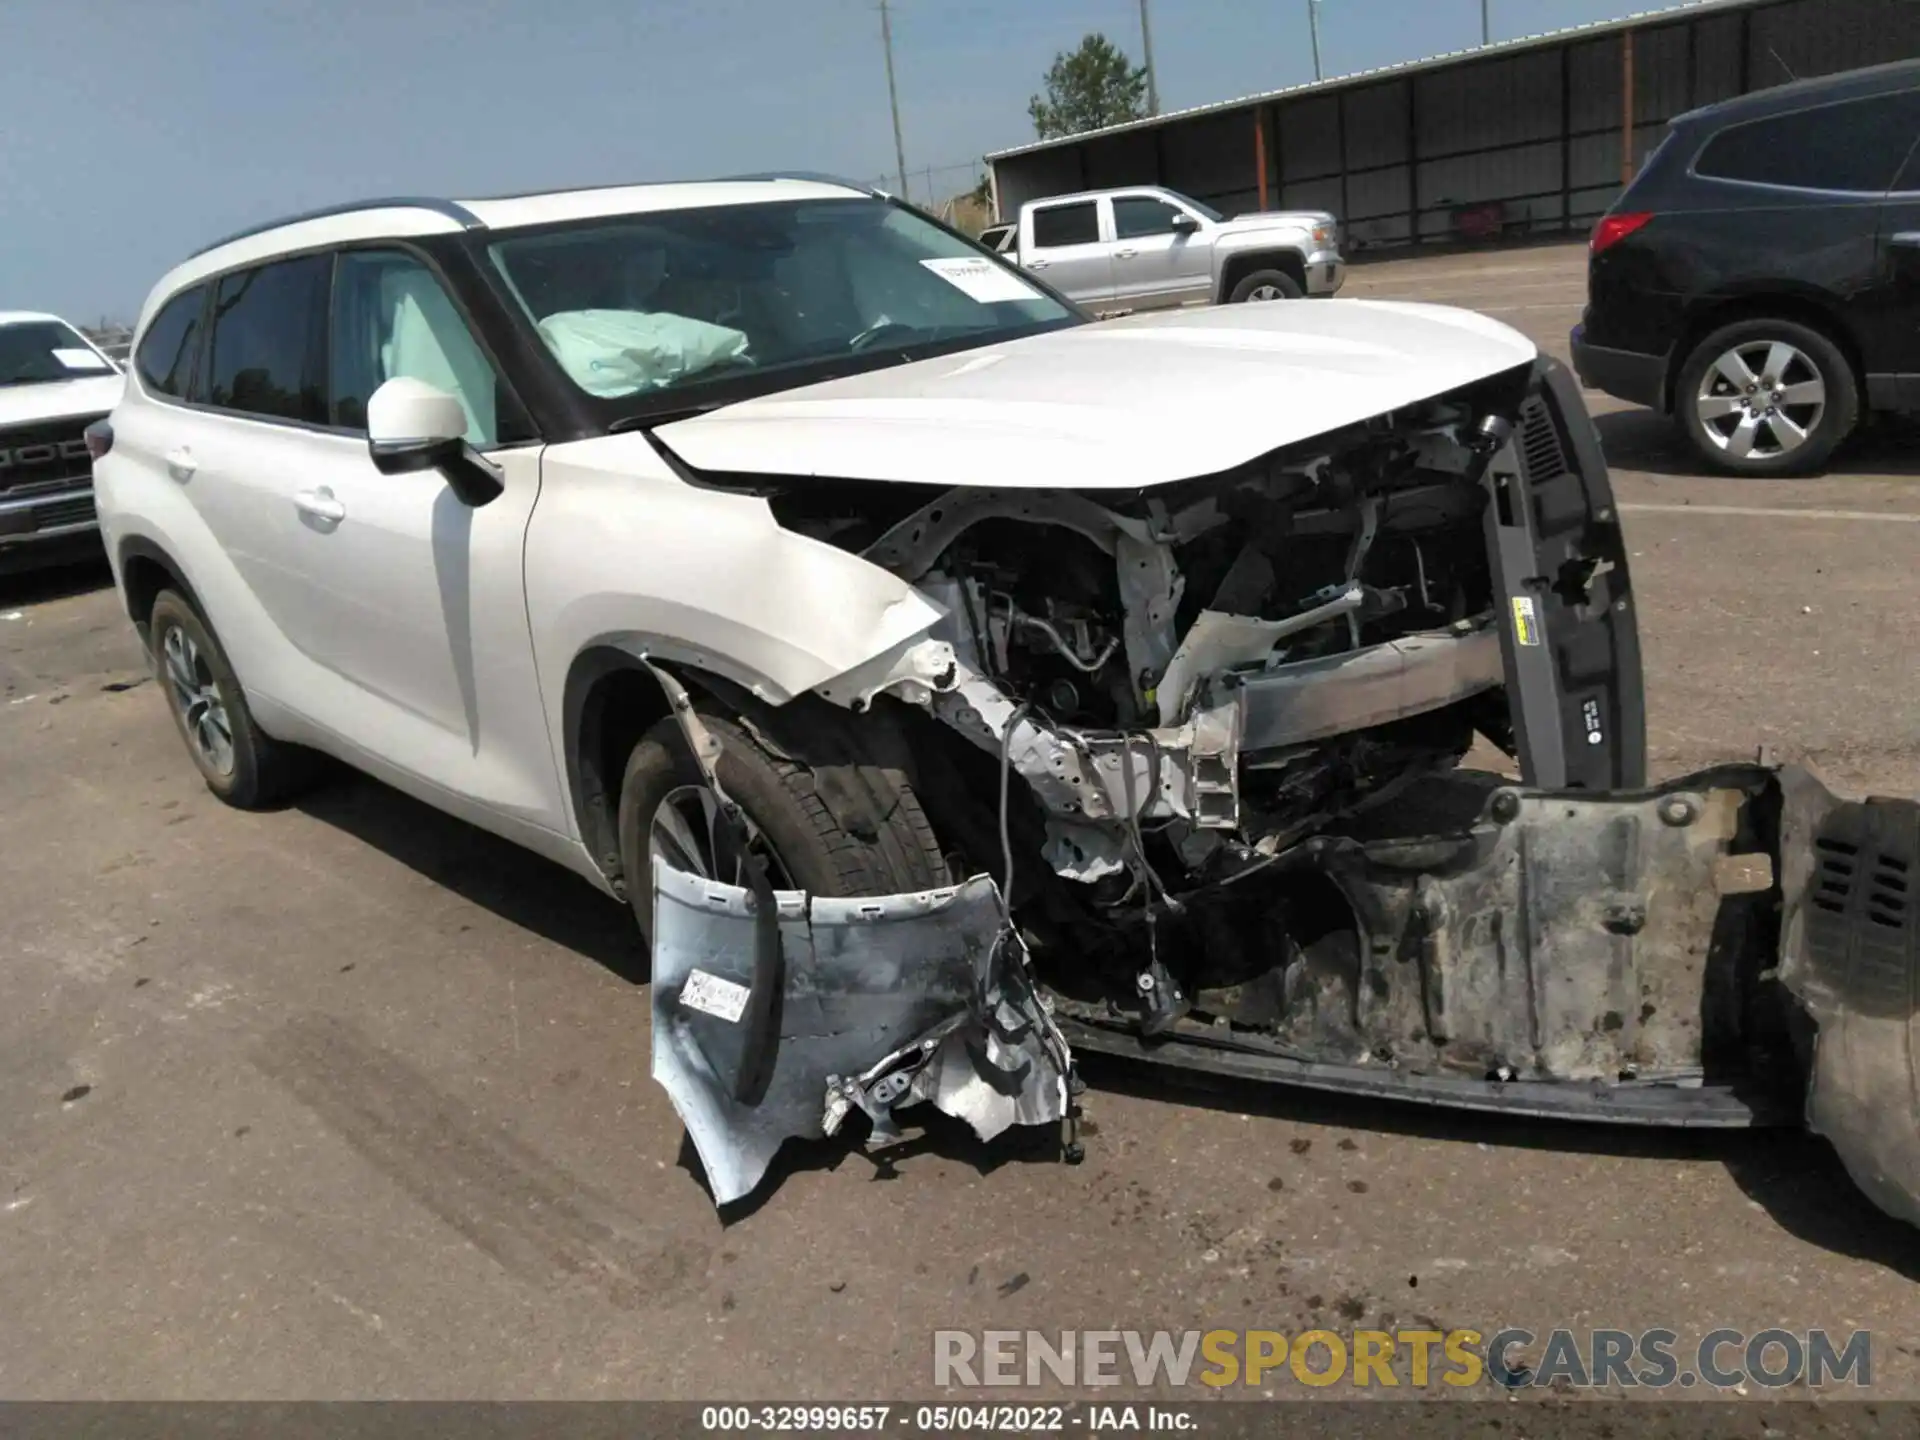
1126,254
1036,264
180,463
320,505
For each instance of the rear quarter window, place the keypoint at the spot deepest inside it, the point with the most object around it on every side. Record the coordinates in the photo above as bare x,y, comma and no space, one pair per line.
164,361
1855,146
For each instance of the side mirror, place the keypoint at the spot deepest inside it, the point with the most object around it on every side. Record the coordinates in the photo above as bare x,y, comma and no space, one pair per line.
1184,224
413,426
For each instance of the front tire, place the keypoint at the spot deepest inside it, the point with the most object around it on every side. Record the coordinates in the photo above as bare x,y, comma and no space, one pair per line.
241,763
1766,397
830,817
1265,285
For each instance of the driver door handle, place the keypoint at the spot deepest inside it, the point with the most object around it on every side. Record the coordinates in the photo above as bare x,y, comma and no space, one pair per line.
180,463
320,505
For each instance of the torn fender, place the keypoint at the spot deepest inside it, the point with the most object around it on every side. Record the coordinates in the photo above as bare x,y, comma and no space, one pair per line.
876,1003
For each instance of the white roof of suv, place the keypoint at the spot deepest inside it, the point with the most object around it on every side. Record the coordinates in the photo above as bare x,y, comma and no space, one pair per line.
379,219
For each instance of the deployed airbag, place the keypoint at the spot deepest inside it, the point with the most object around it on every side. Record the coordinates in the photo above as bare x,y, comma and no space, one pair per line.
618,352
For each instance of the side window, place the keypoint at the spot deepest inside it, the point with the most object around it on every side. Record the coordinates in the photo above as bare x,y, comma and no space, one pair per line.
267,353
392,318
1135,216
1854,146
166,354
1907,182
1077,224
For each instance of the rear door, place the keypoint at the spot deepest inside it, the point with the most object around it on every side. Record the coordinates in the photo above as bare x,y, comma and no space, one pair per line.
1800,198
1070,249
1893,358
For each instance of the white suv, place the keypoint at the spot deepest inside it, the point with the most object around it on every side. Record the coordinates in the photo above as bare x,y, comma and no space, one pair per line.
661,513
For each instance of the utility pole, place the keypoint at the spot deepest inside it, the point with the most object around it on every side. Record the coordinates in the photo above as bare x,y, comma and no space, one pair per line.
893,98
1313,24
1486,24
1146,47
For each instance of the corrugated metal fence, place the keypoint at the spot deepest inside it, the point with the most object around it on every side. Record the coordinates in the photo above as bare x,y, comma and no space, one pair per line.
1520,140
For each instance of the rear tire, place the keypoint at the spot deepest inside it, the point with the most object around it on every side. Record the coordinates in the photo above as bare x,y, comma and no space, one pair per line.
1742,418
241,763
1265,285
838,821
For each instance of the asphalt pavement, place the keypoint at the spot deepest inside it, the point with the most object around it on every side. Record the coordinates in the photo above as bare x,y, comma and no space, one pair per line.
353,1100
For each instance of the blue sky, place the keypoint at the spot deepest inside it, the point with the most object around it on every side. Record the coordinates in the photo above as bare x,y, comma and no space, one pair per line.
134,131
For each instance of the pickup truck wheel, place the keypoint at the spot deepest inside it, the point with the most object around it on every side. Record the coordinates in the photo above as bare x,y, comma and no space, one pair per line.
241,763
826,823
1766,397
1265,285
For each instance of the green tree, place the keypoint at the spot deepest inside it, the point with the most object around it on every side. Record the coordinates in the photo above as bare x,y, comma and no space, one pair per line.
1090,87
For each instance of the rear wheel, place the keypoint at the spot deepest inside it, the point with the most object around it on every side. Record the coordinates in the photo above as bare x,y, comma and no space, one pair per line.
241,763
1766,397
827,818
1265,285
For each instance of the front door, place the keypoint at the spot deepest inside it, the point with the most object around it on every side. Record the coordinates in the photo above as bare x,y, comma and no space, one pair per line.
1153,263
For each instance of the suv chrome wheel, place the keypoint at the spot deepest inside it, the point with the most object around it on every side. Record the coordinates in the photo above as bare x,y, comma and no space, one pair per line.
1761,400
196,695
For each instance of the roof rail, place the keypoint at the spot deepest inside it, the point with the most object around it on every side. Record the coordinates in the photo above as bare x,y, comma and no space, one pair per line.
815,176
447,208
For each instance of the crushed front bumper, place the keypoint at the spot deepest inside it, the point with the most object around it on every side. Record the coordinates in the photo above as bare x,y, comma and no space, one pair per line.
764,1033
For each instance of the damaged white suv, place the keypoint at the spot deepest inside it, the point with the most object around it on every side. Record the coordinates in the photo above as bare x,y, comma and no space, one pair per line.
651,528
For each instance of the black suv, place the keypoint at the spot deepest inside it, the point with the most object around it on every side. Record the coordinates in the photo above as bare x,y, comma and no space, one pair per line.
1760,278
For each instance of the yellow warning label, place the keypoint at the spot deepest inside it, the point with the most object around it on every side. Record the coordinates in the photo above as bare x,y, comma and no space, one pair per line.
1526,624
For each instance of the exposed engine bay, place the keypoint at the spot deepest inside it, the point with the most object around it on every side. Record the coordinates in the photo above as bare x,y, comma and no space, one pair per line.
1199,748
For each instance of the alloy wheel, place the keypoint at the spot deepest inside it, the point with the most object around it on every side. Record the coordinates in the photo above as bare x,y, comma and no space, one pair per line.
196,695
690,833
1266,292
1762,400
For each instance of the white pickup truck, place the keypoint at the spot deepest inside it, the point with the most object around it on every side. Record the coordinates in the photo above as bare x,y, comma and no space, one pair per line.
1145,248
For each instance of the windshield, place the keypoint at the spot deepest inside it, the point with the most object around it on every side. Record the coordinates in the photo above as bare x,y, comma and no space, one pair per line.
727,301
34,352
1205,212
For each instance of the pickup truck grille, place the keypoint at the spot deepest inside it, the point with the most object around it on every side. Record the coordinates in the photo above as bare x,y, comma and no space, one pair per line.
46,455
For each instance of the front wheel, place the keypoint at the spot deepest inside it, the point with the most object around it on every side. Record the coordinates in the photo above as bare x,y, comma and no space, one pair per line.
1265,285
1766,397
824,816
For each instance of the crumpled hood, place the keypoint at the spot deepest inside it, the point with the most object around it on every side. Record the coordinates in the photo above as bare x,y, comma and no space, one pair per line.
1117,405
25,404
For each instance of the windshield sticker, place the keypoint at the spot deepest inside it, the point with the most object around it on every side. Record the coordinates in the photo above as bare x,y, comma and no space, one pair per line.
80,360
982,280
711,995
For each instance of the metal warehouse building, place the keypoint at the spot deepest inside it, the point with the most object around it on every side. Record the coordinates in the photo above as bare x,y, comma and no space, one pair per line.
1530,135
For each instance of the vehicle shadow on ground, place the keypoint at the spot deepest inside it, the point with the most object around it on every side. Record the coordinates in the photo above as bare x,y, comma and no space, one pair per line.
1795,1177
44,584
1646,441
494,874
